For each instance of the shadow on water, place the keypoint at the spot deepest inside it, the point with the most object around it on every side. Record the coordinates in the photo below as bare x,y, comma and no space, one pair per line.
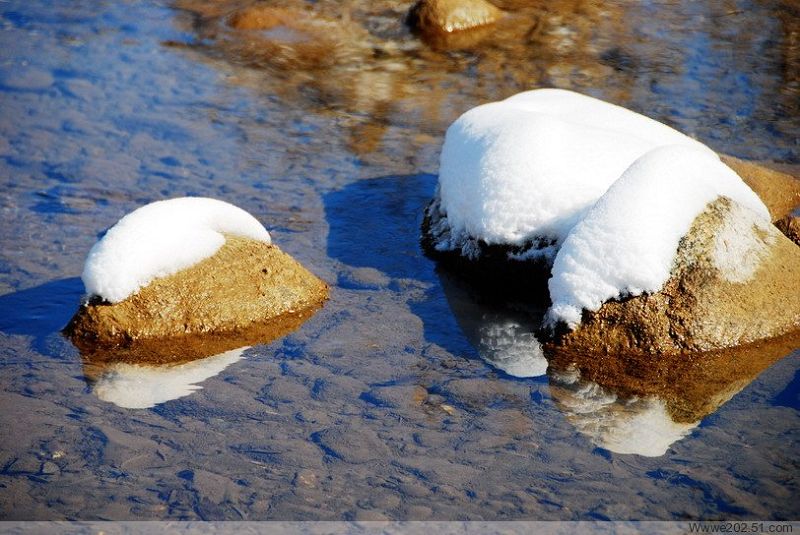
41,312
375,223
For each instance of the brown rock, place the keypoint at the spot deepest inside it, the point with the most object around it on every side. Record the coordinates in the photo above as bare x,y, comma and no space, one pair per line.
248,292
448,16
736,280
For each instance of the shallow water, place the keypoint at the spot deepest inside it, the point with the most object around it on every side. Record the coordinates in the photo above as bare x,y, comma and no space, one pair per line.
380,405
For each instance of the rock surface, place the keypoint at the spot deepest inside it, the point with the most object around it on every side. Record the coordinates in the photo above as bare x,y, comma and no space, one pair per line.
735,280
248,291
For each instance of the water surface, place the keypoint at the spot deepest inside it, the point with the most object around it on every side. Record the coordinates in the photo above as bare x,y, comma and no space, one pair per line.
408,396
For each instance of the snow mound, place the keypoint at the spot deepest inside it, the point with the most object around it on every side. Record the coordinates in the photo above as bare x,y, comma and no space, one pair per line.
160,239
527,169
627,242
134,386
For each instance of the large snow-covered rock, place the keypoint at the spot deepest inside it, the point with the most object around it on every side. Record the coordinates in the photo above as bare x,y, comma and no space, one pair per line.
734,279
626,244
187,268
523,171
621,210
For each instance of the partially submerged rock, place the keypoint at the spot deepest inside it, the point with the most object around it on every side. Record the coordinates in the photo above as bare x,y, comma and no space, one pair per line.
189,278
779,191
736,280
604,196
247,288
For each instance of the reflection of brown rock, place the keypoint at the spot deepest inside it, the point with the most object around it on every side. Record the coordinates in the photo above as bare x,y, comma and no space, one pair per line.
448,16
293,38
692,385
260,17
247,292
779,191
736,280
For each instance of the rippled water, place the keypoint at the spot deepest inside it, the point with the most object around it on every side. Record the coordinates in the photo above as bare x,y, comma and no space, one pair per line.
409,395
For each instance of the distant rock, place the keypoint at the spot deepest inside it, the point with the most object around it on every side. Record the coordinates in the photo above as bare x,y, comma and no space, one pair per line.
449,16
735,280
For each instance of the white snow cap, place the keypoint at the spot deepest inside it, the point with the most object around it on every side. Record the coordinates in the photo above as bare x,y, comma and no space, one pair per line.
626,243
160,239
531,166
133,386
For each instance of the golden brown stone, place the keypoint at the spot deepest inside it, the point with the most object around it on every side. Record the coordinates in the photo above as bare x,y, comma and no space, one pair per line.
734,282
248,292
449,16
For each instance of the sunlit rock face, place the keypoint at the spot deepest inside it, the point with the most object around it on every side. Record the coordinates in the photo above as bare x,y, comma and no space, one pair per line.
189,277
142,386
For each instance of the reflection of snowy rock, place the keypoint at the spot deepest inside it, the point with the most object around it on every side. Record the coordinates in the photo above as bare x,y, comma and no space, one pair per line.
189,267
635,403
640,425
523,171
135,386
511,347
503,336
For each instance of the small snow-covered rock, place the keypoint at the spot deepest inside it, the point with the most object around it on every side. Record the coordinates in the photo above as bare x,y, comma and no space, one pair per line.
179,277
160,239
627,243
523,171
